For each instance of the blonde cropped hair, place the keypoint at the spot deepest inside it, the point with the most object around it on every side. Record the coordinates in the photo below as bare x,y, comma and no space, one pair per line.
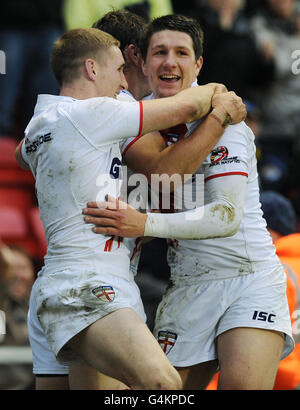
71,50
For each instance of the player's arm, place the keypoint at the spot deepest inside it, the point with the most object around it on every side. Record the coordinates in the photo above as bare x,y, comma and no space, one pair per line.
18,155
186,106
221,217
149,155
105,120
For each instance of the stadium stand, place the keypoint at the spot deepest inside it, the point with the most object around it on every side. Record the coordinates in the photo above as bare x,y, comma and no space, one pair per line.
19,216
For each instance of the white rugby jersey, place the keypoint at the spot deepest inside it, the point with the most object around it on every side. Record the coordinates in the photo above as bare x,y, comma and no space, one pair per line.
235,154
72,148
125,95
134,245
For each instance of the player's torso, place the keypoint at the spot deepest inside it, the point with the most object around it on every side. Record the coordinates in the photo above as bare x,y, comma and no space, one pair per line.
251,244
70,172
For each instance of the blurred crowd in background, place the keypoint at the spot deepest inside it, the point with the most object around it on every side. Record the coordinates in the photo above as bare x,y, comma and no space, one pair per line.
251,46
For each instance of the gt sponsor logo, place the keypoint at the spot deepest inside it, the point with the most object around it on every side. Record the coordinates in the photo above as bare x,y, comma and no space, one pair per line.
264,316
115,168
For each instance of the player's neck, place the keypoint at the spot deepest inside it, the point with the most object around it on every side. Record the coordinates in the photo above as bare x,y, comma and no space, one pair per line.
137,83
78,90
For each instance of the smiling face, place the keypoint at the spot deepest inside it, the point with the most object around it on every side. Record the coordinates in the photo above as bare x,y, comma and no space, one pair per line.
171,65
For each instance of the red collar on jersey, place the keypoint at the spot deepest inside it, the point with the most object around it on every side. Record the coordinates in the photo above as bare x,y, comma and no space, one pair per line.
174,134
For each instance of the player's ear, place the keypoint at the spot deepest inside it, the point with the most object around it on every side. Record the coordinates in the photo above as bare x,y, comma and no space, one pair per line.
144,68
132,54
199,64
90,69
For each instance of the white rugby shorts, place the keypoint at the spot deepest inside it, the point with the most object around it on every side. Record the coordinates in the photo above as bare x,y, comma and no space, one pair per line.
43,359
70,300
194,312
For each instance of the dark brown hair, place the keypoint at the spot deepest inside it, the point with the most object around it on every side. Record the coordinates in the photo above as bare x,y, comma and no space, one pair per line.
175,22
127,27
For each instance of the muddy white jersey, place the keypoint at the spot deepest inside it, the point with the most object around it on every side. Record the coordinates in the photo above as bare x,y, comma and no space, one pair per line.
72,148
235,154
133,244
125,95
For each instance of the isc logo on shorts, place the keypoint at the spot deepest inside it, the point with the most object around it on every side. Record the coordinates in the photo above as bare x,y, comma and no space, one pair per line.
263,316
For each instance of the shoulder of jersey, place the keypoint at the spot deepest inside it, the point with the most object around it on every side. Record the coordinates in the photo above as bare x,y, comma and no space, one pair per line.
242,129
148,97
125,96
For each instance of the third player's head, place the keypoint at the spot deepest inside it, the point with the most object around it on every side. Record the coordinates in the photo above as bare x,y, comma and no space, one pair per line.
172,51
128,28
